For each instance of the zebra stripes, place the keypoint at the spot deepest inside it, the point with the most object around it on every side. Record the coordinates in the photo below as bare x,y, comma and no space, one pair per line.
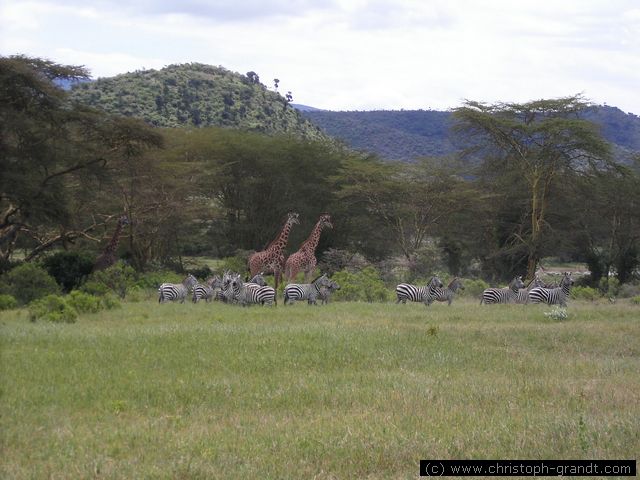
446,294
523,293
503,295
170,292
306,291
238,291
553,296
426,294
325,292
208,290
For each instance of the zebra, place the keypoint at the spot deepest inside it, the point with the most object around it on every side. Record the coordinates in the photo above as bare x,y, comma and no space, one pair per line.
238,291
170,292
405,291
446,294
553,296
523,293
325,292
208,290
503,295
305,291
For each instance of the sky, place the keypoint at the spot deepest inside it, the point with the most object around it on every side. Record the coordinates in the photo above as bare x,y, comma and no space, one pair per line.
354,55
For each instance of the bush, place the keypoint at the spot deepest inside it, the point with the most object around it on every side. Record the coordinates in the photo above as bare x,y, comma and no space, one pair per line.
474,288
152,280
69,269
7,302
117,278
585,293
84,303
628,290
52,308
28,282
365,285
557,313
237,264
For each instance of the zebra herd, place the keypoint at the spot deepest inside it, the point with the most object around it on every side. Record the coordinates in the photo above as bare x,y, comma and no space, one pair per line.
230,288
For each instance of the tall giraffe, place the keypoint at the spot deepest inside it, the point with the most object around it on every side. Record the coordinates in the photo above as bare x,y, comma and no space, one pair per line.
305,258
271,260
108,256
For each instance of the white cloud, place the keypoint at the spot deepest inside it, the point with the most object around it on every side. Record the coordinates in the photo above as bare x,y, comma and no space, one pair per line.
359,54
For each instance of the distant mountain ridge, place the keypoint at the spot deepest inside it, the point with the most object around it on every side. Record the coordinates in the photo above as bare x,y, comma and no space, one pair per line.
409,134
197,95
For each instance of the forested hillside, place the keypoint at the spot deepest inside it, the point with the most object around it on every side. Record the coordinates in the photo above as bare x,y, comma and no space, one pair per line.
196,95
410,134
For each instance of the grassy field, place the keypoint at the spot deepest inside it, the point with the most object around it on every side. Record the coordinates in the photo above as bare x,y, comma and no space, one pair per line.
343,391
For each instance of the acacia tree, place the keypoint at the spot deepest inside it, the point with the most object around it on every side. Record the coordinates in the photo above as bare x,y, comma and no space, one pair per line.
545,140
53,155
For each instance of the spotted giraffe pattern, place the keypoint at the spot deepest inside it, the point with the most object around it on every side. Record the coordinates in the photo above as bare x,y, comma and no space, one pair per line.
108,256
305,258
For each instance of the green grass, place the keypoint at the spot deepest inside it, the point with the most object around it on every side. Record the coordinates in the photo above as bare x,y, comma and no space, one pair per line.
343,391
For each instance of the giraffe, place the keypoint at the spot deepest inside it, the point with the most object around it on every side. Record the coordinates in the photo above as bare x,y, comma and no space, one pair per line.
272,258
305,258
108,256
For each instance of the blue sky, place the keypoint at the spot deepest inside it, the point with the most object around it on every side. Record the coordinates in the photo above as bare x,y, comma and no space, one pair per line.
354,55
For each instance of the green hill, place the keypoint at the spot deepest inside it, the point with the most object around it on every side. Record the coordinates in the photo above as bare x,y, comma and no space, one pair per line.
196,95
410,134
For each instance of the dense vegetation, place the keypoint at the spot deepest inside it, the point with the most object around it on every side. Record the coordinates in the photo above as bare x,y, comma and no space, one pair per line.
196,95
542,184
410,134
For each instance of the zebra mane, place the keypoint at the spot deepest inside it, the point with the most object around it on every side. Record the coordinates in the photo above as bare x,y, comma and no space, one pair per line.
318,278
455,279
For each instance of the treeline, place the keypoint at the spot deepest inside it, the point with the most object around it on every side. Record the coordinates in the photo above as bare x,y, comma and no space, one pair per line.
545,186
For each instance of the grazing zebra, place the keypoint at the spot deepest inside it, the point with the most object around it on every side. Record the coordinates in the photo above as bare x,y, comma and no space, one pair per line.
553,296
305,291
523,294
208,290
446,294
325,292
503,295
405,291
238,291
170,292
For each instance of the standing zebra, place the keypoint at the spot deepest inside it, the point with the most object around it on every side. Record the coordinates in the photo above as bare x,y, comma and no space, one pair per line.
503,295
207,290
446,294
325,292
170,292
406,291
553,296
523,294
238,291
305,291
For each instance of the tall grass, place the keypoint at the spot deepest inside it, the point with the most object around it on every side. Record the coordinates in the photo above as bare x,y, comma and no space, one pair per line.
344,391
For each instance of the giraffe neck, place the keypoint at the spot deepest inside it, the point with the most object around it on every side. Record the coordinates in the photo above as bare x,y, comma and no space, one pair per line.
311,243
115,239
278,245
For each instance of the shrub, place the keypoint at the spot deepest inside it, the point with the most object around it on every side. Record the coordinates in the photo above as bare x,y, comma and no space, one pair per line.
28,282
117,278
238,263
365,285
628,290
152,280
474,288
52,308
585,293
94,288
7,302
69,269
557,313
84,303
636,300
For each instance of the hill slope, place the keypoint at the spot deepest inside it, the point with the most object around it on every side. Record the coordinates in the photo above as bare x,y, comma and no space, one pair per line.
409,134
196,95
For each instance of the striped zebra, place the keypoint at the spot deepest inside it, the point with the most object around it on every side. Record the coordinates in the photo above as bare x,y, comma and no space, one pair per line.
325,292
553,296
170,292
406,291
446,294
238,291
523,293
207,290
305,291
503,295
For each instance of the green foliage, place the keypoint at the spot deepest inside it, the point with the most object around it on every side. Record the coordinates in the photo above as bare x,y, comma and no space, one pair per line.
53,308
364,285
628,290
69,268
117,278
84,303
152,280
7,302
557,313
473,288
609,286
28,282
237,263
585,293
196,95
636,300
